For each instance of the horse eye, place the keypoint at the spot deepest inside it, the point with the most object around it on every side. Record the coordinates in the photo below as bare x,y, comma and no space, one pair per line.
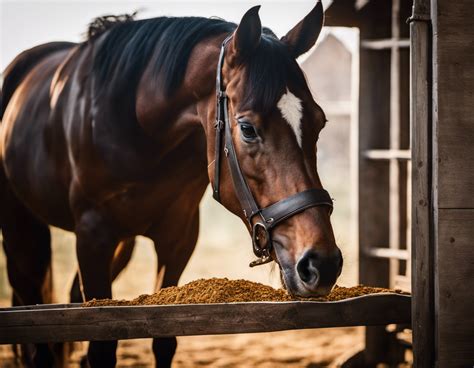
248,132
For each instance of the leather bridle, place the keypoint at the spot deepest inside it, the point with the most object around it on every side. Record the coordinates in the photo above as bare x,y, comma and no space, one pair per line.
272,215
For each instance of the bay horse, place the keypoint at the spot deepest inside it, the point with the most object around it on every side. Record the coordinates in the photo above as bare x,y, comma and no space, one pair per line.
117,136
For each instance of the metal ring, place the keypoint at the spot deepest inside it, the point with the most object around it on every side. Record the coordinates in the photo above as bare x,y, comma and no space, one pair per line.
258,250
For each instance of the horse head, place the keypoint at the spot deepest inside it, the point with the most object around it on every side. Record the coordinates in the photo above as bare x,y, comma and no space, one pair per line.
271,125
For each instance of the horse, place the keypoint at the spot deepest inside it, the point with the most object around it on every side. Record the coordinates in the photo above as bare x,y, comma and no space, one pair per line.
121,134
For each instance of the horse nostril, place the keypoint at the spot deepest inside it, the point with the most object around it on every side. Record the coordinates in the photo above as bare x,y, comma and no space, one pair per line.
307,270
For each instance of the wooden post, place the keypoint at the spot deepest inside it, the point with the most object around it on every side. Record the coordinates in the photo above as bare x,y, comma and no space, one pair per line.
422,242
374,128
453,181
394,172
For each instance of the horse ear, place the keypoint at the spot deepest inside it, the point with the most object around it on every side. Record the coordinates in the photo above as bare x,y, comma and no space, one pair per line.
247,35
305,34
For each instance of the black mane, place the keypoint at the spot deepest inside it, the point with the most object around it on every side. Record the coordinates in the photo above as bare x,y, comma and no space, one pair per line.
101,24
127,47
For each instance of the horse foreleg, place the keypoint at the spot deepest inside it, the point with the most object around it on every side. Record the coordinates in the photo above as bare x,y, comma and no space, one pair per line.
27,245
95,247
122,255
174,248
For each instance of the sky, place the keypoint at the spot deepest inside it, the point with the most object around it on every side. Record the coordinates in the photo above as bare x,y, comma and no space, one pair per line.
24,24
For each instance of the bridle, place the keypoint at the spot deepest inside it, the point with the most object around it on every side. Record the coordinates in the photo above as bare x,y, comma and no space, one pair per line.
272,215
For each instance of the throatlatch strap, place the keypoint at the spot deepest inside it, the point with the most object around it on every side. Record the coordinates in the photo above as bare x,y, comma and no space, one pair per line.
294,204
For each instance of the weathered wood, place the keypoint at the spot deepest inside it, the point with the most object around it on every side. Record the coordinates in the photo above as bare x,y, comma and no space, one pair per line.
422,242
395,128
374,119
49,324
385,44
454,293
388,154
453,181
389,253
453,75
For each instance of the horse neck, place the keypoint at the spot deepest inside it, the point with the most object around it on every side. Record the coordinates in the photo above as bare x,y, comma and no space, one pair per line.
169,120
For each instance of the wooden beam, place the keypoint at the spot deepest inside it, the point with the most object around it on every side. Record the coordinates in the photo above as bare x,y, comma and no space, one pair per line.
73,323
454,294
374,118
395,126
389,253
387,154
422,286
453,75
385,44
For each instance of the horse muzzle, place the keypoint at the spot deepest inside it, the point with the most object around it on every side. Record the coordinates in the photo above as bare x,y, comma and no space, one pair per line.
313,274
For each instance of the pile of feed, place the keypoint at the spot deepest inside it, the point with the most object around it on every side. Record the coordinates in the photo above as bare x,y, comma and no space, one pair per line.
217,290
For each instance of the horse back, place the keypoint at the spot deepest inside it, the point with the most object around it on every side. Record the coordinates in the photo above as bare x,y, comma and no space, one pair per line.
33,152
21,65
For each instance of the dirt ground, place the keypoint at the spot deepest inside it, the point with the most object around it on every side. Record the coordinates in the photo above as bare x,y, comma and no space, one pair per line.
307,348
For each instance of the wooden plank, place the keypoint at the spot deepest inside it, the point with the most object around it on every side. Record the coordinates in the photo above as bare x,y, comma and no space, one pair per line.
388,154
395,127
385,44
110,323
374,118
408,225
389,253
422,242
36,307
454,81
453,181
454,293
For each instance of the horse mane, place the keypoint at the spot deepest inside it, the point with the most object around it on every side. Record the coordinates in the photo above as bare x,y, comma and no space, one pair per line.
101,24
128,46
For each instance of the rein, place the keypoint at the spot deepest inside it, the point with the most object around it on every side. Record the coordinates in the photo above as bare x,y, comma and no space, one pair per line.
270,216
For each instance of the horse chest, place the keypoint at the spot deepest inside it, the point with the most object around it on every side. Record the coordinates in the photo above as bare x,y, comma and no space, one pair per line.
176,186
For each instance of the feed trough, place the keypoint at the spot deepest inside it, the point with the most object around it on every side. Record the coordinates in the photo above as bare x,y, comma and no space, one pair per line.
73,322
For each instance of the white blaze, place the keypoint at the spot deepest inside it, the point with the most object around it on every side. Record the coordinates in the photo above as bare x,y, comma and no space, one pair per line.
292,111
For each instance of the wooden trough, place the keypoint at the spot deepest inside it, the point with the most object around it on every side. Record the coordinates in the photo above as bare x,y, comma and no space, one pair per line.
71,322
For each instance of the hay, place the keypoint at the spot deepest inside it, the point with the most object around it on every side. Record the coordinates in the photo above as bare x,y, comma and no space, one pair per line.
217,290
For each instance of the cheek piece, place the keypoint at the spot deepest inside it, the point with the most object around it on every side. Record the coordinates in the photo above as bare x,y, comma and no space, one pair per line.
261,220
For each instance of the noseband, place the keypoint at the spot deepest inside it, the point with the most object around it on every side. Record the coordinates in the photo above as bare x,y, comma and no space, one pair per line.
272,215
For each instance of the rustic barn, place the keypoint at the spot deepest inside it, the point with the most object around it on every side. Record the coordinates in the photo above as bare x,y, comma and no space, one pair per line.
415,173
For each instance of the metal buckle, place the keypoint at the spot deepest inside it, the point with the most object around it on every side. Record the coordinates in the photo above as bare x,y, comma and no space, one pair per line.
261,249
261,261
218,125
263,253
